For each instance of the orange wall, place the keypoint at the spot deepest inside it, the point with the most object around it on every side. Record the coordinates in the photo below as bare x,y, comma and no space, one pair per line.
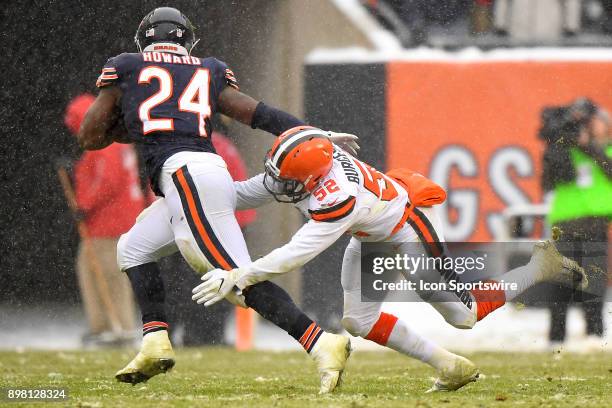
482,107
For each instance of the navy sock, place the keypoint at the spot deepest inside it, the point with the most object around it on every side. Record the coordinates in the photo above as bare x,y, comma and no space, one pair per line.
150,294
276,306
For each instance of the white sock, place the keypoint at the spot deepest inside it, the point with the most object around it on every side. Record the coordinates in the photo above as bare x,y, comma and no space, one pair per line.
406,341
524,277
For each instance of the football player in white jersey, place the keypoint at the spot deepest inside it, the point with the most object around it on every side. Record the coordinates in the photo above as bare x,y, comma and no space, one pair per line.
341,194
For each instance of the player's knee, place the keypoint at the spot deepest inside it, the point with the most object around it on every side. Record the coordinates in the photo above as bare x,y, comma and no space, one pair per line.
193,255
351,325
122,253
460,320
128,256
456,314
355,326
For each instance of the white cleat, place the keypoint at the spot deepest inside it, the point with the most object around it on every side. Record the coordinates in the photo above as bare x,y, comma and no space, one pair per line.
155,357
330,353
460,371
554,267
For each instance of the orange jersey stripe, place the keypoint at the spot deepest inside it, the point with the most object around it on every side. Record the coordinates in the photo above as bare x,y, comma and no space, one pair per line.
344,210
405,217
198,222
425,231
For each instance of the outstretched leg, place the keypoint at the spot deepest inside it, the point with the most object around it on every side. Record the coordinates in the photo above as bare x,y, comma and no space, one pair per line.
364,319
201,202
463,308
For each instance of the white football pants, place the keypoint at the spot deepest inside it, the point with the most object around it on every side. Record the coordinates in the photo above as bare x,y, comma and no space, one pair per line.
359,317
196,217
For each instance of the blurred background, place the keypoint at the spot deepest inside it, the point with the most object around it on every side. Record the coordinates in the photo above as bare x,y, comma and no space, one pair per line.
476,94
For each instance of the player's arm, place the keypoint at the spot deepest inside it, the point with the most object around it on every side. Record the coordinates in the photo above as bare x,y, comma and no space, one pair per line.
313,238
252,193
258,115
95,132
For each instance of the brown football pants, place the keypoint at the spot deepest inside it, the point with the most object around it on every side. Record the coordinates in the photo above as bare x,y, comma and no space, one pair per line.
117,282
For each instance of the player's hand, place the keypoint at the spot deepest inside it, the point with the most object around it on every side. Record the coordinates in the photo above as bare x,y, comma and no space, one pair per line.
217,284
346,141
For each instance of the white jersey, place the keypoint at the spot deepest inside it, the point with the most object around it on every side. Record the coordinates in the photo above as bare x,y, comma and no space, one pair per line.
352,198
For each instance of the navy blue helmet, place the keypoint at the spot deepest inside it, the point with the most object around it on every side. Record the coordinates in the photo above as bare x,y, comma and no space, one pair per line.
168,25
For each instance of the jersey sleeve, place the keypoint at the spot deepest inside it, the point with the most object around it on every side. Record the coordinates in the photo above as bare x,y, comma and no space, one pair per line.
224,76
310,240
251,193
230,79
332,214
331,202
339,209
109,75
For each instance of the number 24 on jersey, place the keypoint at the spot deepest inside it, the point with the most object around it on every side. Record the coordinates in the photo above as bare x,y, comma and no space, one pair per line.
195,99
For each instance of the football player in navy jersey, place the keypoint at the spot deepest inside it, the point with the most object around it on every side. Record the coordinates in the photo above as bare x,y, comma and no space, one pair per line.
165,98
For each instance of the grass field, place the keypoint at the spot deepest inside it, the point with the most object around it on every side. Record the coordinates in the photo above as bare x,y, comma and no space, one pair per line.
221,377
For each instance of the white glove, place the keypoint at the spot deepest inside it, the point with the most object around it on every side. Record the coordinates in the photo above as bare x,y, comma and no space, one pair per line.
346,141
217,284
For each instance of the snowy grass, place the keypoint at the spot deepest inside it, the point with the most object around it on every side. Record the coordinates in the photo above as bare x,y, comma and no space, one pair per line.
221,377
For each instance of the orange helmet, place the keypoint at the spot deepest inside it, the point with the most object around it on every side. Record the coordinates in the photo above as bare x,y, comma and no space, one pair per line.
297,161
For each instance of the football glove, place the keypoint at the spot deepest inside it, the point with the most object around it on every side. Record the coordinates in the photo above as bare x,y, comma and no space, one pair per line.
218,283
345,141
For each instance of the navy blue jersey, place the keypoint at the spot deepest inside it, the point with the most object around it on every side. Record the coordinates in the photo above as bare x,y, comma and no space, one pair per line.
167,102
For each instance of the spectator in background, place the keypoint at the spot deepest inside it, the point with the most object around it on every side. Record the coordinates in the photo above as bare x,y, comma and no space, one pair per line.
577,174
410,20
607,16
109,197
404,18
540,20
482,16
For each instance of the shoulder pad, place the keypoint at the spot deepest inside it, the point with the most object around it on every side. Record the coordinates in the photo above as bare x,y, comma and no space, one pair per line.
114,67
